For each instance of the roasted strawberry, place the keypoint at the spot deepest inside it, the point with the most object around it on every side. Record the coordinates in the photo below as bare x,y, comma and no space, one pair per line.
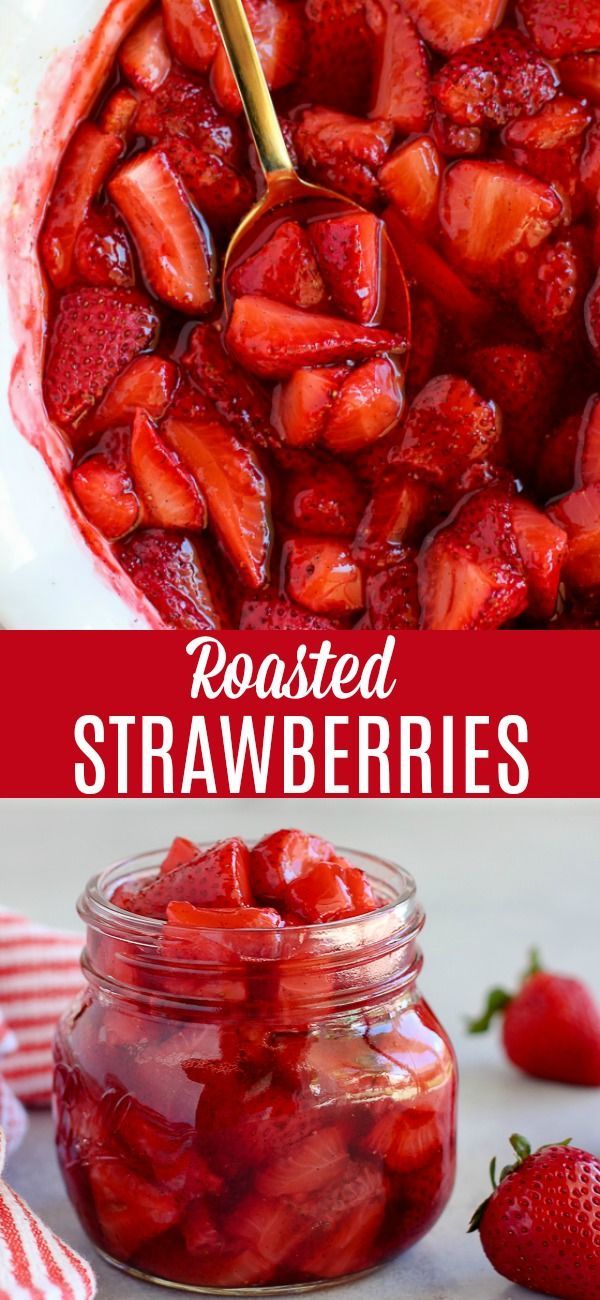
425,341
392,596
238,397
542,547
284,268
130,1209
169,571
454,141
183,107
283,856
342,151
270,1225
406,1140
95,335
489,210
307,1166
349,1215
350,257
278,614
217,877
550,1027
448,427
543,1199
272,340
168,492
88,161
555,470
234,488
301,404
221,192
395,515
523,384
494,81
322,576
148,383
368,405
326,500
201,1234
144,57
319,895
589,163
579,515
560,120
587,462
102,253
552,286
180,852
580,75
279,37
401,93
592,315
117,115
432,274
410,179
341,46
192,32
175,256
106,495
562,31
448,25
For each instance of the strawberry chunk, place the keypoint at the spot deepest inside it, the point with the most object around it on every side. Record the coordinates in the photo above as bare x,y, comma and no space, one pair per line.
130,1209
222,918
406,1140
221,192
322,576
493,81
369,405
401,92
542,547
580,75
301,404
456,141
572,27
324,500
449,426
307,1166
489,210
395,515
169,494
144,57
560,120
284,268
592,315
118,112
89,158
218,877
102,252
348,1217
184,109
320,895
350,253
552,286
587,463
342,39
342,151
192,32
522,383
180,852
272,340
283,856
176,259
277,614
96,333
448,25
105,494
392,596
431,272
238,397
169,571
578,514
272,1227
200,1230
234,488
557,457
410,179
279,37
149,382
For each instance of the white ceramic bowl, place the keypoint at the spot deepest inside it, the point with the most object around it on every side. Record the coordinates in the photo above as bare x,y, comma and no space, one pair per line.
55,570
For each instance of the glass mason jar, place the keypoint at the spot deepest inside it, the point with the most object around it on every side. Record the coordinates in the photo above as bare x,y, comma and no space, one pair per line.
247,1110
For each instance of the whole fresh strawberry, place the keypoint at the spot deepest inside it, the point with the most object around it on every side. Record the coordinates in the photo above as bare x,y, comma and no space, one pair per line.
540,1227
550,1027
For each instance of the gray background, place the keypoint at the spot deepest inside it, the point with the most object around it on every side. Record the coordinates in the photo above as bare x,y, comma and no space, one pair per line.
495,877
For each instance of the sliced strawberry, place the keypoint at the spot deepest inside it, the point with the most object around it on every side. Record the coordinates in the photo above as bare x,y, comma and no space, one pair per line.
277,614
456,141
320,895
558,168
218,190
560,120
395,515
169,493
107,497
410,179
200,1231
392,596
522,382
401,93
542,547
234,487
579,515
130,1209
448,427
239,398
283,268
342,152
272,340
470,571
283,856
348,1217
176,259
574,27
489,210
118,112
144,56
89,158
448,25
279,37
102,253
587,463
183,108
306,1167
272,1227
552,285
361,890
592,315
349,249
301,404
180,852
557,457
342,38
149,382
95,334
189,917
322,576
405,1139
424,264
217,877
192,32
169,571
369,405
323,500
494,81
580,75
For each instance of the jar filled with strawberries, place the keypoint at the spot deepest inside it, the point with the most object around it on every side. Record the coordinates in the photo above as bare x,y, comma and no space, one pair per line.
251,1092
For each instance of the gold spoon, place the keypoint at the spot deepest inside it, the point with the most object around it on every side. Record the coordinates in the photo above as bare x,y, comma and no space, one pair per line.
283,184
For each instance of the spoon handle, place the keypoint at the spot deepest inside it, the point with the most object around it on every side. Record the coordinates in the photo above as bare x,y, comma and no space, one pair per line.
254,92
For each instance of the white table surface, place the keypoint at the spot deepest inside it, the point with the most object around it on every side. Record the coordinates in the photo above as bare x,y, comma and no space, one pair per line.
495,877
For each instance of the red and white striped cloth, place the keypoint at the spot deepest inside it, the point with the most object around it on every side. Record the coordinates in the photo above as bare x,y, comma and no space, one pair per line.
12,1114
35,1264
39,976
